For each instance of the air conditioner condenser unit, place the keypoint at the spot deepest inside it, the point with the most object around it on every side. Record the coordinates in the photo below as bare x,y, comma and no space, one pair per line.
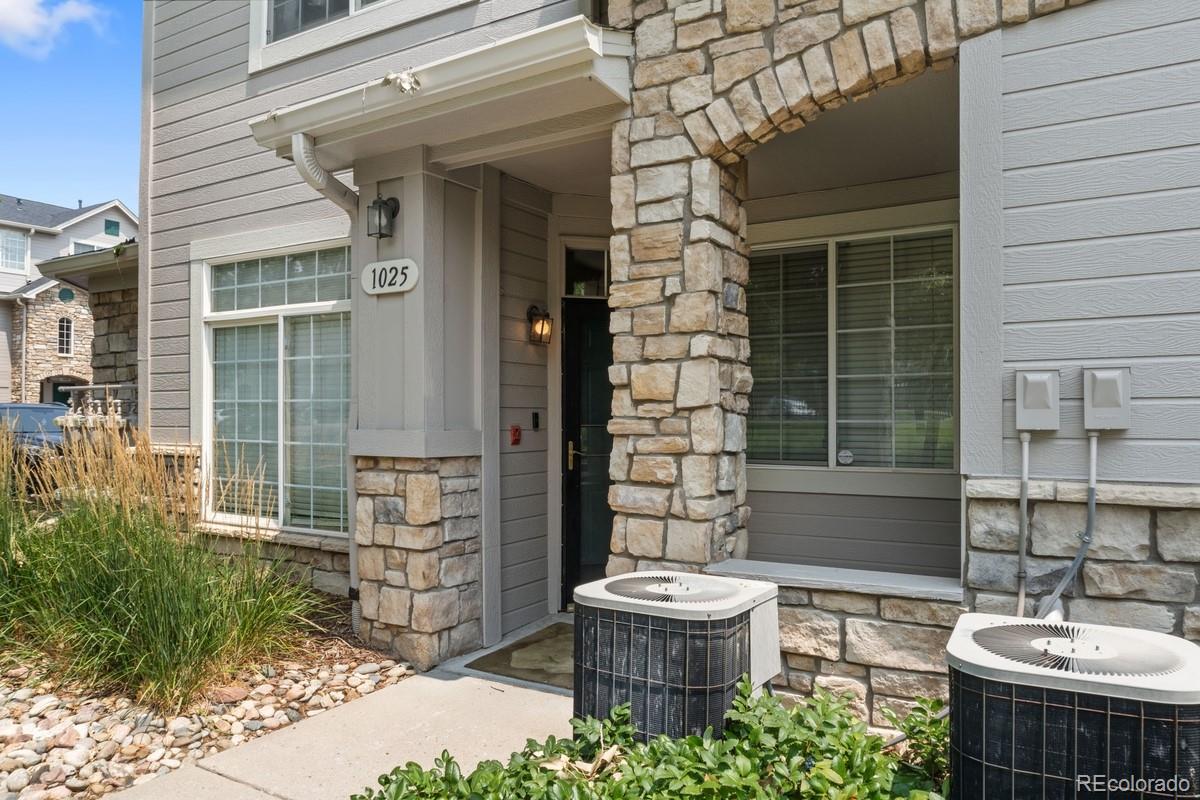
1045,709
674,646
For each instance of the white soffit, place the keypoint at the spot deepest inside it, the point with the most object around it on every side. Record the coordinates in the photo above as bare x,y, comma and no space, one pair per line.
555,85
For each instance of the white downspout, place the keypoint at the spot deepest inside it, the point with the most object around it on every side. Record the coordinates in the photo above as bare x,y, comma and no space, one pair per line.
304,156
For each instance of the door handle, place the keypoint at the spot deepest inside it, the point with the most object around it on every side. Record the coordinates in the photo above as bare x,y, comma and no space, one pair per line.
572,452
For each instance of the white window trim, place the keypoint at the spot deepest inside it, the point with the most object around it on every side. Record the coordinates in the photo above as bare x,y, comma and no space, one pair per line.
359,23
24,270
70,338
204,321
89,243
883,481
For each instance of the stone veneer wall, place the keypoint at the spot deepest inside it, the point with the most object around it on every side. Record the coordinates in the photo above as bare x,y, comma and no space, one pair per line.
712,80
114,343
40,342
1141,570
320,561
417,525
882,651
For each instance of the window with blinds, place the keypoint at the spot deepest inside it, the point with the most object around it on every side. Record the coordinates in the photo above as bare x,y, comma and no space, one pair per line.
890,332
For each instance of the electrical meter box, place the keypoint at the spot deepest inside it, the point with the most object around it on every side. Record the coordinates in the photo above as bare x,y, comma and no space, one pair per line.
1106,398
1037,400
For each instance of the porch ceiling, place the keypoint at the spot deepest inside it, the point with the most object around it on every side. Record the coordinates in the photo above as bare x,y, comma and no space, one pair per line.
557,85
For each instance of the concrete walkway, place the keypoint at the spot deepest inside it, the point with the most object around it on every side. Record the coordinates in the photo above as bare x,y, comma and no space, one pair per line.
340,752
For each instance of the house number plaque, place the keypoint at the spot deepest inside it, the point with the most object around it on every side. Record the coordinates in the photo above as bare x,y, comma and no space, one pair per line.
386,277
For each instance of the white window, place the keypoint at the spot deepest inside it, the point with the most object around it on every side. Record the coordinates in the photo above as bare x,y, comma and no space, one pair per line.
83,247
880,310
66,336
285,30
12,251
280,399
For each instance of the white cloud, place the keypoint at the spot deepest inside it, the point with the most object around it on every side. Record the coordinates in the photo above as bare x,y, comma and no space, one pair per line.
33,26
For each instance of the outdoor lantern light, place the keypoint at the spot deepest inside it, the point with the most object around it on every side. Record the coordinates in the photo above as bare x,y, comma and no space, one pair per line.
540,325
380,216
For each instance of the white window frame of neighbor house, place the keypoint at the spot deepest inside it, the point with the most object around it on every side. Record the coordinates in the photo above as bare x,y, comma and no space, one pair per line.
364,18
209,321
24,238
66,334
832,478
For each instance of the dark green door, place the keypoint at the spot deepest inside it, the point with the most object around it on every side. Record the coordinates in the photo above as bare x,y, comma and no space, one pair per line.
586,404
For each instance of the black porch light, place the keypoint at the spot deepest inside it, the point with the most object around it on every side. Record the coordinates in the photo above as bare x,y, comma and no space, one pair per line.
541,325
380,217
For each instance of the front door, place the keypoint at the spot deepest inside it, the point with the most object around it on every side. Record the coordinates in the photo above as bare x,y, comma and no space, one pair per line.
586,405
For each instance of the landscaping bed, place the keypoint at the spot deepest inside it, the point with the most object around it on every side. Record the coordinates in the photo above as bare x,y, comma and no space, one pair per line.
58,740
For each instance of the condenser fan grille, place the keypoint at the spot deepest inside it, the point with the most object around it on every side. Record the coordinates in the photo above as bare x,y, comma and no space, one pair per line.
1081,650
671,589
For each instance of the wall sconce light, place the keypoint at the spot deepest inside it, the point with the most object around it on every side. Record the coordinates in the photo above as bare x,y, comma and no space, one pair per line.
541,325
380,216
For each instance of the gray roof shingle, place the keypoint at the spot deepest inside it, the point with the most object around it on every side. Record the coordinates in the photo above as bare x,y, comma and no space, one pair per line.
43,215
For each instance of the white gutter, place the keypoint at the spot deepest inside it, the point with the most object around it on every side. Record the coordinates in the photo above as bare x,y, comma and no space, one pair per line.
304,156
518,60
24,347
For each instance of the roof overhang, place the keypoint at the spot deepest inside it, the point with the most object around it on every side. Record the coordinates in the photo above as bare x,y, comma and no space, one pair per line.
555,85
25,226
107,266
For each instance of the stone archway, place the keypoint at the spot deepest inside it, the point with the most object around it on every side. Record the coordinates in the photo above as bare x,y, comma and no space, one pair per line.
712,80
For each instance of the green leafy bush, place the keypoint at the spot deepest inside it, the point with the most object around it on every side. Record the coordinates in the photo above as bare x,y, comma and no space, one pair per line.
926,759
103,580
817,749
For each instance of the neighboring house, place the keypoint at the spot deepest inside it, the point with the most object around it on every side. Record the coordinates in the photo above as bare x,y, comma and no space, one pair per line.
783,330
45,326
108,279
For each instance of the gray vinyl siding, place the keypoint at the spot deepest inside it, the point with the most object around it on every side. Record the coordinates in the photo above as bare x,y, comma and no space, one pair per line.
208,178
895,534
524,570
1100,115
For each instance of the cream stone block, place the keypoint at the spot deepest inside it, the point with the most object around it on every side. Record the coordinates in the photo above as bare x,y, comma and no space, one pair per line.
850,63
434,611
655,36
644,537
1014,10
624,206
422,569
691,93
661,444
668,69
806,632
750,112
976,16
653,381
725,123
697,33
662,182
1124,614
1179,535
635,293
896,645
708,430
820,74
699,383
910,44
694,311
993,524
856,11
639,500
771,95
939,27
1121,532
730,69
748,15
880,56
657,242
395,606
688,541
423,498
654,469
699,475
801,34
698,126
795,87
1171,584
668,346
661,151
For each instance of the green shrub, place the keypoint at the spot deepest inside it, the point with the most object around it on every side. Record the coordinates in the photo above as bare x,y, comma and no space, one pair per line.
926,750
103,579
817,749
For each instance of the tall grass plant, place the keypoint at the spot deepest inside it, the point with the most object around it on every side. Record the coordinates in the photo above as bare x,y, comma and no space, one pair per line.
105,576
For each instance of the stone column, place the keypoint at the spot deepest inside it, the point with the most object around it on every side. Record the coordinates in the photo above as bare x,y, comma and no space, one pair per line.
417,524
680,375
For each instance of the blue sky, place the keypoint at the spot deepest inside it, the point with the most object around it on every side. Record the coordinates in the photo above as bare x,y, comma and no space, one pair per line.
70,71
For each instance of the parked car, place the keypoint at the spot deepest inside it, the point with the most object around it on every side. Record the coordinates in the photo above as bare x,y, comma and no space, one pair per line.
33,426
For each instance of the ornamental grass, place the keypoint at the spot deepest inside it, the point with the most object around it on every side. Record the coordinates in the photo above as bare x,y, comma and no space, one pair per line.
106,577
